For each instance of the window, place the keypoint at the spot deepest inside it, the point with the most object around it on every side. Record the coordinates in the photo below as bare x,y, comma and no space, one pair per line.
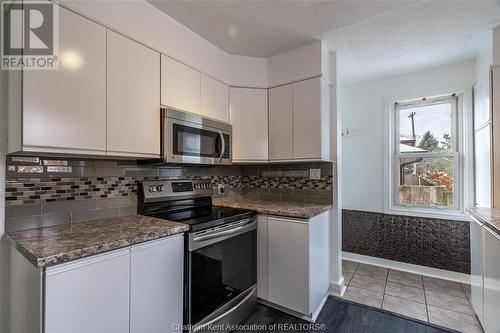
426,154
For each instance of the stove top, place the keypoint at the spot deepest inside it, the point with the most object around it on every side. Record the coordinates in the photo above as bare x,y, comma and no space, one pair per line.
201,218
186,201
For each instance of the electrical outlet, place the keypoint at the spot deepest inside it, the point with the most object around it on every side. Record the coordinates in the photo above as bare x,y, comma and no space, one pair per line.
221,188
314,173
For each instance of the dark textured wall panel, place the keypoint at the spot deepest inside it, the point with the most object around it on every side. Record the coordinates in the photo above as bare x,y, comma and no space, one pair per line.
437,243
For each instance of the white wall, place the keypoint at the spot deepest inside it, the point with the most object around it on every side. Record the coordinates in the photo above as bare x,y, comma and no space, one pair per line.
337,282
248,72
364,107
496,46
482,122
145,23
297,64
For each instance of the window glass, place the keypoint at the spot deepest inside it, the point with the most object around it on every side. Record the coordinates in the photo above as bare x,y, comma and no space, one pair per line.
426,128
426,182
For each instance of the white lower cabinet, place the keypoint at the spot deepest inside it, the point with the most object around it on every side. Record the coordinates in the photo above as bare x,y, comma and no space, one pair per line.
477,267
288,260
89,295
156,286
262,257
491,282
136,289
297,263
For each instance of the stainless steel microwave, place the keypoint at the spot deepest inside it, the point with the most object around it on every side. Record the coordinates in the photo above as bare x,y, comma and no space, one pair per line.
192,139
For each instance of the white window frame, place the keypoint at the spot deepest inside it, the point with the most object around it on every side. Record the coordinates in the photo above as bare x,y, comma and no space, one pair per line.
393,154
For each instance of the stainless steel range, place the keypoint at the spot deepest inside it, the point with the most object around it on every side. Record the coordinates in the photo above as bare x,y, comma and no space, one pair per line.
220,273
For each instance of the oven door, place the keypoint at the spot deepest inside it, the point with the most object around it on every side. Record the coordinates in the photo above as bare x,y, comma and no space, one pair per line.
221,267
188,142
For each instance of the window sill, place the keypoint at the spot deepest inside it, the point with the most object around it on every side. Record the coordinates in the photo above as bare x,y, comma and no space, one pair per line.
433,214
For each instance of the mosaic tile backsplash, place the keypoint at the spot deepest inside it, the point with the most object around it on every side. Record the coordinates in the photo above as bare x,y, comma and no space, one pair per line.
39,190
437,243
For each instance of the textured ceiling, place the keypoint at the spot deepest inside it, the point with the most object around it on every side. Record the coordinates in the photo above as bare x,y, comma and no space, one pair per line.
374,38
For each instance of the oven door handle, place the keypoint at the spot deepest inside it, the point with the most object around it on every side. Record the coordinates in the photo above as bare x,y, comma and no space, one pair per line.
250,225
223,142
202,326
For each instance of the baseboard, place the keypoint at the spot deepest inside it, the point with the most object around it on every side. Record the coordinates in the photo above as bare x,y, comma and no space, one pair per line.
338,289
411,268
312,318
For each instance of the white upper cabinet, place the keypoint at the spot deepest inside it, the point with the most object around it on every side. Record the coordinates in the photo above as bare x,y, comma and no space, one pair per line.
133,84
64,110
280,123
214,99
311,119
299,121
180,86
248,115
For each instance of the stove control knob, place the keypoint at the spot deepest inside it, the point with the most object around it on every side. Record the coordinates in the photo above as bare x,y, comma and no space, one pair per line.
152,188
159,188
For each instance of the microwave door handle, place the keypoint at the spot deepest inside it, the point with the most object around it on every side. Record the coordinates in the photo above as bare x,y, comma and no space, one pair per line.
223,150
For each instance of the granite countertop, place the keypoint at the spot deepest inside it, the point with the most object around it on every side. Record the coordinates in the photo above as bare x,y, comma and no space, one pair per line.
269,207
488,216
62,243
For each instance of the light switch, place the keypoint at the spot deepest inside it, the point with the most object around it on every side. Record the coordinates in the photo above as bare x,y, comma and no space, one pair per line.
314,173
354,132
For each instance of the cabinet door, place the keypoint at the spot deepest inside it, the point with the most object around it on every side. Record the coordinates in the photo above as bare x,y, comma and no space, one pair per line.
491,282
495,104
248,115
307,129
482,166
319,258
214,99
64,110
288,264
156,288
262,257
476,260
133,98
281,123
89,295
180,86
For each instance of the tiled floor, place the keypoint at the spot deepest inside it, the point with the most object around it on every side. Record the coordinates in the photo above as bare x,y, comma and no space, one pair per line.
441,302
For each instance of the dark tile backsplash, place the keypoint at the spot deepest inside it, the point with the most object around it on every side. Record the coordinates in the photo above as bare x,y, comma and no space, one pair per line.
437,243
38,189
